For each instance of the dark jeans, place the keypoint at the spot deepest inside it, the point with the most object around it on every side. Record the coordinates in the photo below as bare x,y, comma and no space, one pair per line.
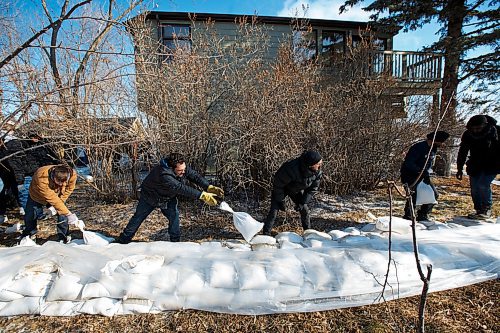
305,215
33,211
425,210
142,212
480,190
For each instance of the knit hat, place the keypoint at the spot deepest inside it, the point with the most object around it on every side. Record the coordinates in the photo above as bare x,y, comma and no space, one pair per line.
441,136
477,120
310,157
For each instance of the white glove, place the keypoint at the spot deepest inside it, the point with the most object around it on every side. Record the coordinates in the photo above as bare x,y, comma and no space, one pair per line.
72,218
52,211
80,225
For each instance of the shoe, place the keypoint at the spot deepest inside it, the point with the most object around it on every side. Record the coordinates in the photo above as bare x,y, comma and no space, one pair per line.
422,218
120,241
66,240
484,215
473,216
21,211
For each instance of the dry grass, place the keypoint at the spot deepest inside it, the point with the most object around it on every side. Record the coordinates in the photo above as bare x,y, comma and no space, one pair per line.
469,309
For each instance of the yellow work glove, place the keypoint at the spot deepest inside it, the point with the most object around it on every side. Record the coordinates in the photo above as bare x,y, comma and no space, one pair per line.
208,198
216,190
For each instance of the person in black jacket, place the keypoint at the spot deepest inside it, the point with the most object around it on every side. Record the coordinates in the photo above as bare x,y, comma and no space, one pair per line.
414,165
298,179
8,176
160,190
481,142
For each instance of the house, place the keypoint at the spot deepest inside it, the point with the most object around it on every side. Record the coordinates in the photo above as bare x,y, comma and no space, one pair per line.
415,73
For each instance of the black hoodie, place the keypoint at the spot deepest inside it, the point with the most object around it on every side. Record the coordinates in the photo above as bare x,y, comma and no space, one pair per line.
483,150
293,177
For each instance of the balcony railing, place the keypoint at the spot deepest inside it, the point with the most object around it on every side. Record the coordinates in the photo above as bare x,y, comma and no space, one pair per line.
406,65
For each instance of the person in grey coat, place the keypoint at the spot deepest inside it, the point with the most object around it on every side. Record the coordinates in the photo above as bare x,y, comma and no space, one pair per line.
298,179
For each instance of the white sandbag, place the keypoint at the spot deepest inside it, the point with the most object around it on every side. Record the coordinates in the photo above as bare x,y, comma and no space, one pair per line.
263,239
142,264
287,245
287,269
319,243
95,238
399,225
165,280
138,286
289,236
32,285
190,282
169,302
135,306
263,247
60,308
223,275
66,287
315,234
425,194
285,292
253,276
212,298
26,305
316,271
102,306
237,246
259,298
244,223
94,290
354,239
336,234
352,231
7,296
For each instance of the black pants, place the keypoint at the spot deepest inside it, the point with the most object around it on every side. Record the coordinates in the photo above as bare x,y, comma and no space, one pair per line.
303,209
170,211
424,210
9,183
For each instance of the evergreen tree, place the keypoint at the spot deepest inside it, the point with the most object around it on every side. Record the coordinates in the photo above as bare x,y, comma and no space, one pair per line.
465,26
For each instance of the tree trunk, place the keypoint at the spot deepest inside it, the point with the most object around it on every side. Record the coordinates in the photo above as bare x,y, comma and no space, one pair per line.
454,14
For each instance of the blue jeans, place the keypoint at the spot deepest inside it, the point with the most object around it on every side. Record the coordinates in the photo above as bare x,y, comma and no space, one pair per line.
23,195
480,190
33,211
142,212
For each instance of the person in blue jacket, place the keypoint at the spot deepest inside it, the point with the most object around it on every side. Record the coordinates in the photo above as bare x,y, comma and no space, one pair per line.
160,189
415,169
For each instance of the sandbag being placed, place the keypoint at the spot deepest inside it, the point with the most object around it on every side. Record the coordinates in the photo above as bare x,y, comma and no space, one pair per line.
244,223
425,194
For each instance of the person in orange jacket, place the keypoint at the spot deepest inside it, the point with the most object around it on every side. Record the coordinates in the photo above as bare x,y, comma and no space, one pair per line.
51,186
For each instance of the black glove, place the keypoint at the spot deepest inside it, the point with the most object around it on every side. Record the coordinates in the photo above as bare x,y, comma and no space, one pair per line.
427,180
281,205
459,174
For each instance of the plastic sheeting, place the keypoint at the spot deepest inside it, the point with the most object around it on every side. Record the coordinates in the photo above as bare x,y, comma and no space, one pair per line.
299,273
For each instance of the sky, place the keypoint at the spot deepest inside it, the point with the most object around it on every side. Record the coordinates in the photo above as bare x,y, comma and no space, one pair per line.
319,9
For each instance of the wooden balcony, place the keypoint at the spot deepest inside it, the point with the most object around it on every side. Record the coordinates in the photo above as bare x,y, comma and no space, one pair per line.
414,72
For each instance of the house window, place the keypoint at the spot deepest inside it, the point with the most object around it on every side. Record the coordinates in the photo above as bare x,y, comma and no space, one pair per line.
379,44
305,46
174,38
332,41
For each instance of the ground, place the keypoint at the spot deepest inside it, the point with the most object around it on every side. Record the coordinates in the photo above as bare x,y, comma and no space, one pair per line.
470,309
